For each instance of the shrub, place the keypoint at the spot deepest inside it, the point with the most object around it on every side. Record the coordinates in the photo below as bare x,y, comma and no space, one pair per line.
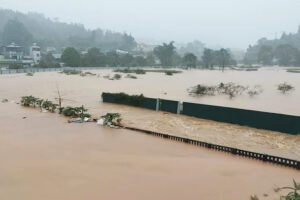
49,105
71,72
231,89
203,90
129,71
75,112
16,66
284,88
293,195
28,101
117,77
29,74
112,118
135,100
169,73
256,90
254,197
131,76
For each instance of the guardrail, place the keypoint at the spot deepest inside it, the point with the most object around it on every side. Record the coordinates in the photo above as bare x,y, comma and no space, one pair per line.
249,154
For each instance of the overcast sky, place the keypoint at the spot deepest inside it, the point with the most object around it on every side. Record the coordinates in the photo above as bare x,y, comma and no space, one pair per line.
226,23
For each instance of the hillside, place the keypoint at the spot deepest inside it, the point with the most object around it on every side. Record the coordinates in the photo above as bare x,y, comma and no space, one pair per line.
50,33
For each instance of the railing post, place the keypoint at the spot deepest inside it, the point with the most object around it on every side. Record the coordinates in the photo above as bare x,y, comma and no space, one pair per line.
179,108
157,104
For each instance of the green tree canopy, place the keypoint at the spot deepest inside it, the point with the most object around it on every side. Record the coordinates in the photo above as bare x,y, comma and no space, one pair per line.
208,58
15,32
71,57
94,58
190,60
287,55
165,53
265,55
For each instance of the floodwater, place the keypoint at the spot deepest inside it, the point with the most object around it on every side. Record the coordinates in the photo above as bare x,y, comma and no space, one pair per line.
43,157
87,91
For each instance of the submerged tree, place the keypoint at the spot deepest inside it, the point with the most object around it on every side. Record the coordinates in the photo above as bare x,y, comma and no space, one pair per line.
165,53
190,60
208,58
71,57
265,55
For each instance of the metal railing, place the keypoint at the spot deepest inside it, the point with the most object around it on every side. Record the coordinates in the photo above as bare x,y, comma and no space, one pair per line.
258,156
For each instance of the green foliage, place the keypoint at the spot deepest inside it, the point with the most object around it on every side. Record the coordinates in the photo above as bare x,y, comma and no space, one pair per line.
208,58
135,100
71,57
16,66
117,77
230,89
28,101
49,105
265,55
131,76
71,72
128,71
94,58
287,55
48,61
284,88
31,101
254,197
285,50
293,195
29,74
190,60
168,73
203,90
75,112
165,53
112,118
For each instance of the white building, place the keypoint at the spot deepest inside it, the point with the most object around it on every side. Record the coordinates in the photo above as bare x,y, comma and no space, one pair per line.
13,52
35,53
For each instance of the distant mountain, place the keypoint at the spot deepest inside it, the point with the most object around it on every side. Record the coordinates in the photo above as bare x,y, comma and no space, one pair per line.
49,33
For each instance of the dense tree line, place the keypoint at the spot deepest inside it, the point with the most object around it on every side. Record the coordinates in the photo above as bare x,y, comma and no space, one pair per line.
96,58
164,55
221,58
284,51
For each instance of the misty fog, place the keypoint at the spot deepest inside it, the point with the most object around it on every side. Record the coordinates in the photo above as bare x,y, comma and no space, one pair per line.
231,23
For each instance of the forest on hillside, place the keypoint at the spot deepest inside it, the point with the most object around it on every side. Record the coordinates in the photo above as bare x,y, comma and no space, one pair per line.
24,29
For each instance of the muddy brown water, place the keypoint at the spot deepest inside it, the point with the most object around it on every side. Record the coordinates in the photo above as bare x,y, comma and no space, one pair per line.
87,91
44,157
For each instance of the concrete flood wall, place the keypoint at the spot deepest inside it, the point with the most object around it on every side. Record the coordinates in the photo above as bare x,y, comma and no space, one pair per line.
256,119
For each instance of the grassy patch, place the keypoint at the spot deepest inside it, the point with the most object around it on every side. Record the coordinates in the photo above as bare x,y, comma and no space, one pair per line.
144,71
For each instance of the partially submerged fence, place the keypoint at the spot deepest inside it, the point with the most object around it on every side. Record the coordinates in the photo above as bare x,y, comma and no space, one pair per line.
256,119
249,154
